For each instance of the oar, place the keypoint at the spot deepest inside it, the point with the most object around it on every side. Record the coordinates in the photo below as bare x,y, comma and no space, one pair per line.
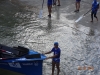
2,58
6,51
41,11
82,16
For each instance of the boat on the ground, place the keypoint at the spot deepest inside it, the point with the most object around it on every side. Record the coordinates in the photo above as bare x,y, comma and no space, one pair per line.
20,61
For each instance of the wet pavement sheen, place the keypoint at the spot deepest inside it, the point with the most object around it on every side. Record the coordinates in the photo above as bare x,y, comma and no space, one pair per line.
79,43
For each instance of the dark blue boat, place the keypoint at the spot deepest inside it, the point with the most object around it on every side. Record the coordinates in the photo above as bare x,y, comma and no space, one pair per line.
20,60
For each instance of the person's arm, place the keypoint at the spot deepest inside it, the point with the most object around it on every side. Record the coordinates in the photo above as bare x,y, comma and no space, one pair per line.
47,52
58,53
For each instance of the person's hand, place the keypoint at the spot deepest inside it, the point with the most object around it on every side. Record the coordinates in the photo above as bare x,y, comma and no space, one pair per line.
47,58
43,53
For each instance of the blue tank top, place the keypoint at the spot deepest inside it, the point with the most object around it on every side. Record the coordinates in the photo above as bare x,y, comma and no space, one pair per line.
56,51
95,6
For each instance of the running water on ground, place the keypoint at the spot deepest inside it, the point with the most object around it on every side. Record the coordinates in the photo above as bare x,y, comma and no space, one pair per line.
20,25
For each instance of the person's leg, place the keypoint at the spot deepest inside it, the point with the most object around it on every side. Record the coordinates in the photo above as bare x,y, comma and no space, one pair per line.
95,15
54,2
92,16
53,67
49,10
58,68
78,6
58,2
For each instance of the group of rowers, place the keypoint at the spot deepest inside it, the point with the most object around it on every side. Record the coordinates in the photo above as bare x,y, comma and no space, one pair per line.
94,9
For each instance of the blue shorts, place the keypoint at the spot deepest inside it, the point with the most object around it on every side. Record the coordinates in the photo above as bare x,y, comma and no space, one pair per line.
57,60
49,2
94,12
78,0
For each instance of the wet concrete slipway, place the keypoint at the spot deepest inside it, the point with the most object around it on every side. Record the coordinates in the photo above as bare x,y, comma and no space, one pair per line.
79,43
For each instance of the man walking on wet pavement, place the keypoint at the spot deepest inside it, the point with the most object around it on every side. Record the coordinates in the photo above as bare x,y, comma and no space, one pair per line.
77,4
49,4
95,7
55,58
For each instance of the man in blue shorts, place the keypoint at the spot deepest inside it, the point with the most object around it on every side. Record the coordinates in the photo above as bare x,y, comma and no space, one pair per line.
77,4
55,58
95,7
49,4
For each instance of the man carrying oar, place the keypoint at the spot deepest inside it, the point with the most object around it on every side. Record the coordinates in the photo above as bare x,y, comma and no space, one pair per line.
95,7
